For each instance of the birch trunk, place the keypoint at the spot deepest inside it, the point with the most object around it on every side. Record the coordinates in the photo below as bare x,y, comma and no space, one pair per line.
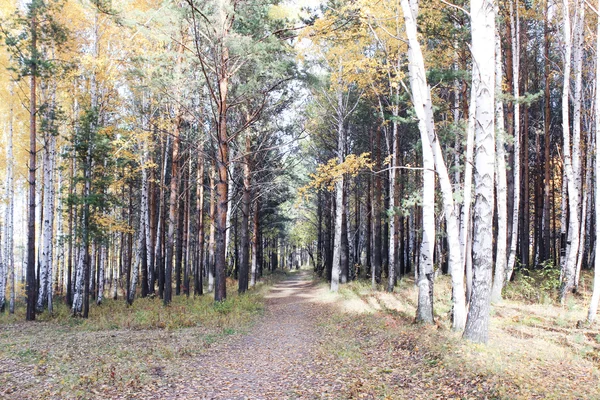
146,219
482,33
576,152
6,259
9,217
45,290
593,310
501,186
418,85
452,227
391,213
515,37
465,217
336,269
101,272
158,245
77,307
568,264
135,271
211,238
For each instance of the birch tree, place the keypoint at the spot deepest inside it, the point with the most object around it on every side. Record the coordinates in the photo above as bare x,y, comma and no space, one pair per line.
514,233
8,236
501,193
483,26
421,96
570,259
418,85
593,310
46,267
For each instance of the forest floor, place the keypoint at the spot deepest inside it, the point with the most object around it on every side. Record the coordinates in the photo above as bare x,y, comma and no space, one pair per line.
309,343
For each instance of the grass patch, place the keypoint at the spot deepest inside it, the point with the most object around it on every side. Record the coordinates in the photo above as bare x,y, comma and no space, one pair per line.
120,350
537,348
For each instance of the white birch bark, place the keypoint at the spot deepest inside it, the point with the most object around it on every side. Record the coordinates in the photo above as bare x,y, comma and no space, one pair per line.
593,310
482,34
211,234
452,227
515,38
6,258
146,219
465,218
568,265
577,95
115,280
45,289
141,236
58,237
418,85
582,232
501,186
392,211
78,288
8,236
102,267
576,152
3,282
455,264
336,269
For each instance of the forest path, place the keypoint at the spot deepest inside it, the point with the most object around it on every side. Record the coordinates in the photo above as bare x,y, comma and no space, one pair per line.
275,360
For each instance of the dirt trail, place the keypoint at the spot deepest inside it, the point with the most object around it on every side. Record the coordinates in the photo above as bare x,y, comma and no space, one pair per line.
276,360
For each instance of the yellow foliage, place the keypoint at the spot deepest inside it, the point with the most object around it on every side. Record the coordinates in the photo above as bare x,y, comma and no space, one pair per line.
328,174
111,224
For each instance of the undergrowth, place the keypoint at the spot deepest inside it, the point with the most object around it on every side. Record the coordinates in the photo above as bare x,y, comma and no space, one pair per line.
150,313
540,285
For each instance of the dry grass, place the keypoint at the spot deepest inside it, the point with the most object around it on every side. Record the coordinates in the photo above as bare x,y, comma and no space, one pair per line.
536,350
119,349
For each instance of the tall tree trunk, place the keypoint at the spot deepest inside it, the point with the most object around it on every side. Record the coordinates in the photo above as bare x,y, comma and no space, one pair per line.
515,37
180,227
198,289
159,244
345,254
148,222
45,289
547,120
501,194
568,264
377,247
222,192
255,243
211,237
392,211
101,272
418,85
187,238
31,282
8,256
482,34
593,310
245,229
174,189
336,269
